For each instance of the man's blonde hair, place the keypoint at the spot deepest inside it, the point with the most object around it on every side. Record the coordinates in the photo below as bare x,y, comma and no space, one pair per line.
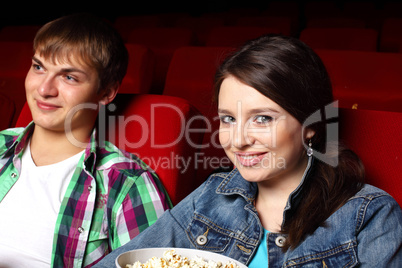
87,39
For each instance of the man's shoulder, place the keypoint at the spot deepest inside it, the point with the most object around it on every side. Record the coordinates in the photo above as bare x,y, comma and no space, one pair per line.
12,132
111,157
8,137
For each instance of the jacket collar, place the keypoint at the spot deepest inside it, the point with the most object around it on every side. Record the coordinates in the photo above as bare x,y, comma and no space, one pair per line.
235,184
294,197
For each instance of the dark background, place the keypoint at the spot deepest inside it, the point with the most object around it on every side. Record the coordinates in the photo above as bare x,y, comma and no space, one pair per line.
39,12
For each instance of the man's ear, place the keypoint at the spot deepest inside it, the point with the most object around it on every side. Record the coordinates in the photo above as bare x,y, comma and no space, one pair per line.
109,94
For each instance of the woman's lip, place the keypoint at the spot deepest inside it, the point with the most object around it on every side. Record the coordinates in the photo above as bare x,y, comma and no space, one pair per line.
250,158
46,106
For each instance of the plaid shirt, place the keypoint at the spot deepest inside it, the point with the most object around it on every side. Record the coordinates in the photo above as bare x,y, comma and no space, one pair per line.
111,198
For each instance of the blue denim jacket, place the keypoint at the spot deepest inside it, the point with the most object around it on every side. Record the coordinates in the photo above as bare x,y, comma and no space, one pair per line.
220,217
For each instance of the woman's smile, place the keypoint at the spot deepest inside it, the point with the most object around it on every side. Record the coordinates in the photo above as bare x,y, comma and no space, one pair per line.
249,159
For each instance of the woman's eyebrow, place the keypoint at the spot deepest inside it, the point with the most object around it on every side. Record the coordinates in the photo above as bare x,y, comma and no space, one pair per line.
263,110
224,111
252,111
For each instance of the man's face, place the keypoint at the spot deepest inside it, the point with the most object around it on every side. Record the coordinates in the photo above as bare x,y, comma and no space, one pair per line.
60,92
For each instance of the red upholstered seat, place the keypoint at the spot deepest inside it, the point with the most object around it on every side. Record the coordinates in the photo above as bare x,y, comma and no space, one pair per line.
376,137
391,35
163,42
15,58
125,24
190,76
200,26
284,24
365,80
335,22
7,110
362,39
18,33
140,70
234,36
159,129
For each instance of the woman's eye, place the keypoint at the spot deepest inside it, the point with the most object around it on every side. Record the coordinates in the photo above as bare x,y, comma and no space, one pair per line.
262,119
227,119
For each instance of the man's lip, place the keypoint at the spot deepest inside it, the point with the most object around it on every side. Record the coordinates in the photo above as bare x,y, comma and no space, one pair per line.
46,106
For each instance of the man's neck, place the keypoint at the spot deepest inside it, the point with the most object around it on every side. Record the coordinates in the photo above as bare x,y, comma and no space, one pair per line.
49,147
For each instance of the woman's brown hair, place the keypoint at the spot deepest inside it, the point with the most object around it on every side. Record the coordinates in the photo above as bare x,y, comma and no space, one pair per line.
291,74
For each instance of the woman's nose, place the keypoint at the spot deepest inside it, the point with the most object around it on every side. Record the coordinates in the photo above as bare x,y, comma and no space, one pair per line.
242,136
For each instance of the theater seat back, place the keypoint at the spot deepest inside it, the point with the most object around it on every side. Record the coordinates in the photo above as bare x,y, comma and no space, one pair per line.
161,130
376,137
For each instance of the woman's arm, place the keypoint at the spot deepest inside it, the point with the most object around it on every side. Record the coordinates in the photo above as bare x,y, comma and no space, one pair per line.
380,235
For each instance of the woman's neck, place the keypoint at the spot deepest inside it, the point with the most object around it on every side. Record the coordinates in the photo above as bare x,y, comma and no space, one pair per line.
274,193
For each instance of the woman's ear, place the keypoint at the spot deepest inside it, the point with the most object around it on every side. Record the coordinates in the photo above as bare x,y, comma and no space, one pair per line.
309,133
109,94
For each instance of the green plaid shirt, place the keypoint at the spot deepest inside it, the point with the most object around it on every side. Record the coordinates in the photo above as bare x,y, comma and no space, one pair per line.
111,198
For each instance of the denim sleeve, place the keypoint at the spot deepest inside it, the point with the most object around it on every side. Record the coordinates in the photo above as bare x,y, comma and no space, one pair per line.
380,233
167,231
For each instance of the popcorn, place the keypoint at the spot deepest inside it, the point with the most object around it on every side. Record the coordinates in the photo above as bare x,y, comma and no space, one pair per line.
171,259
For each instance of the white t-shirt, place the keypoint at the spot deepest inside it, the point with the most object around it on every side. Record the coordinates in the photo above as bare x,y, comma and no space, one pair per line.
28,212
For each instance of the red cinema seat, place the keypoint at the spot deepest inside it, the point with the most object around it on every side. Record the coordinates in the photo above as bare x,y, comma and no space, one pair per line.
24,117
7,110
19,33
234,36
335,22
190,76
284,24
391,35
140,70
362,39
125,24
321,9
365,80
200,26
158,129
163,42
282,8
376,137
366,10
16,59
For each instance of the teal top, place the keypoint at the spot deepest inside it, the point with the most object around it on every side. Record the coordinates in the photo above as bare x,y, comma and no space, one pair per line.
260,258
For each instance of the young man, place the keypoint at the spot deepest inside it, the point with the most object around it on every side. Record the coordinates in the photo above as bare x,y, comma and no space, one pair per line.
65,199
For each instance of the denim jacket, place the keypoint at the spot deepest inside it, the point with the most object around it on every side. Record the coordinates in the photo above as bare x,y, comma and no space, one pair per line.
220,217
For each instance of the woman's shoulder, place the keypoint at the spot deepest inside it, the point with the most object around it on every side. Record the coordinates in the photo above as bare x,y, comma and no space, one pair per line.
370,200
371,192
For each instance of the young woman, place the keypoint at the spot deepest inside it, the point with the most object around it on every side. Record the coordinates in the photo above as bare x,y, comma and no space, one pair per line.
295,198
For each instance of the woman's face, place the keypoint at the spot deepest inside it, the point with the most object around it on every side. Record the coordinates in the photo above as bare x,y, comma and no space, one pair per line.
262,139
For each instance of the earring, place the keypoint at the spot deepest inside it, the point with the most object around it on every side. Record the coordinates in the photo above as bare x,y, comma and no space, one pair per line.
309,150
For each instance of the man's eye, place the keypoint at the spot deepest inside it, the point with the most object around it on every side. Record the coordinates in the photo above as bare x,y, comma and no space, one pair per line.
37,67
227,119
70,78
262,119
